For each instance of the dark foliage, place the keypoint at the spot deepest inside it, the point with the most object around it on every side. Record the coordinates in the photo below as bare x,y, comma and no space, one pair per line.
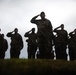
37,67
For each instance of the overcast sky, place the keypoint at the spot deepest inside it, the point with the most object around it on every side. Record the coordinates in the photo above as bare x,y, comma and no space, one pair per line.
18,13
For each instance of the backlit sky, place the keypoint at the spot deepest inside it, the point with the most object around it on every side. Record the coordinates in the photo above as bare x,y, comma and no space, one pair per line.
18,13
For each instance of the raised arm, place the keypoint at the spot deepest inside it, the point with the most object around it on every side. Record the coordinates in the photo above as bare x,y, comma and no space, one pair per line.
27,33
33,20
71,33
9,34
56,28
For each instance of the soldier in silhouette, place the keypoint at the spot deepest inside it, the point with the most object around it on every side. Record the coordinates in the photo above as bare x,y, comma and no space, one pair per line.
16,43
1,42
60,40
32,43
44,35
72,45
3,46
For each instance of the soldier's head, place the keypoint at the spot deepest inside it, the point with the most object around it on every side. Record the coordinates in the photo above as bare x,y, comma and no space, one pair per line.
33,30
16,30
62,26
75,30
42,15
3,35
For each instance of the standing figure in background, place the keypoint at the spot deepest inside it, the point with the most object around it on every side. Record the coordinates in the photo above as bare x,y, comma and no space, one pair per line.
3,46
72,45
32,43
60,42
16,43
44,35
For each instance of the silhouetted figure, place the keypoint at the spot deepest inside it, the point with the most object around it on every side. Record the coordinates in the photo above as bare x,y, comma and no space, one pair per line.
3,46
32,43
1,42
60,41
72,45
16,43
44,34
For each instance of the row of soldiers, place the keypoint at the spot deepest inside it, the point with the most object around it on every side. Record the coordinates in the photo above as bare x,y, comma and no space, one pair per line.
16,44
60,42
44,40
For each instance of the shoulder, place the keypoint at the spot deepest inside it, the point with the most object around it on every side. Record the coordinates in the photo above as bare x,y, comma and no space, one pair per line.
47,20
19,35
65,31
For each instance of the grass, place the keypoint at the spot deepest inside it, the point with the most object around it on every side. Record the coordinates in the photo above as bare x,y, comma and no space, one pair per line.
36,67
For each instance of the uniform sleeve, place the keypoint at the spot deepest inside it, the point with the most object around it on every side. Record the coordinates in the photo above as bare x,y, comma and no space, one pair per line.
26,35
33,20
9,34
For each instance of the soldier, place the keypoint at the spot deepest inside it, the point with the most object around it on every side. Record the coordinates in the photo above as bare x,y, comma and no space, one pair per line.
3,46
60,40
32,43
16,43
44,34
72,45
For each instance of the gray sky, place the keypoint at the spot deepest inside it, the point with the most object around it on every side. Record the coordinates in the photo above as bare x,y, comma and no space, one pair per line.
18,13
